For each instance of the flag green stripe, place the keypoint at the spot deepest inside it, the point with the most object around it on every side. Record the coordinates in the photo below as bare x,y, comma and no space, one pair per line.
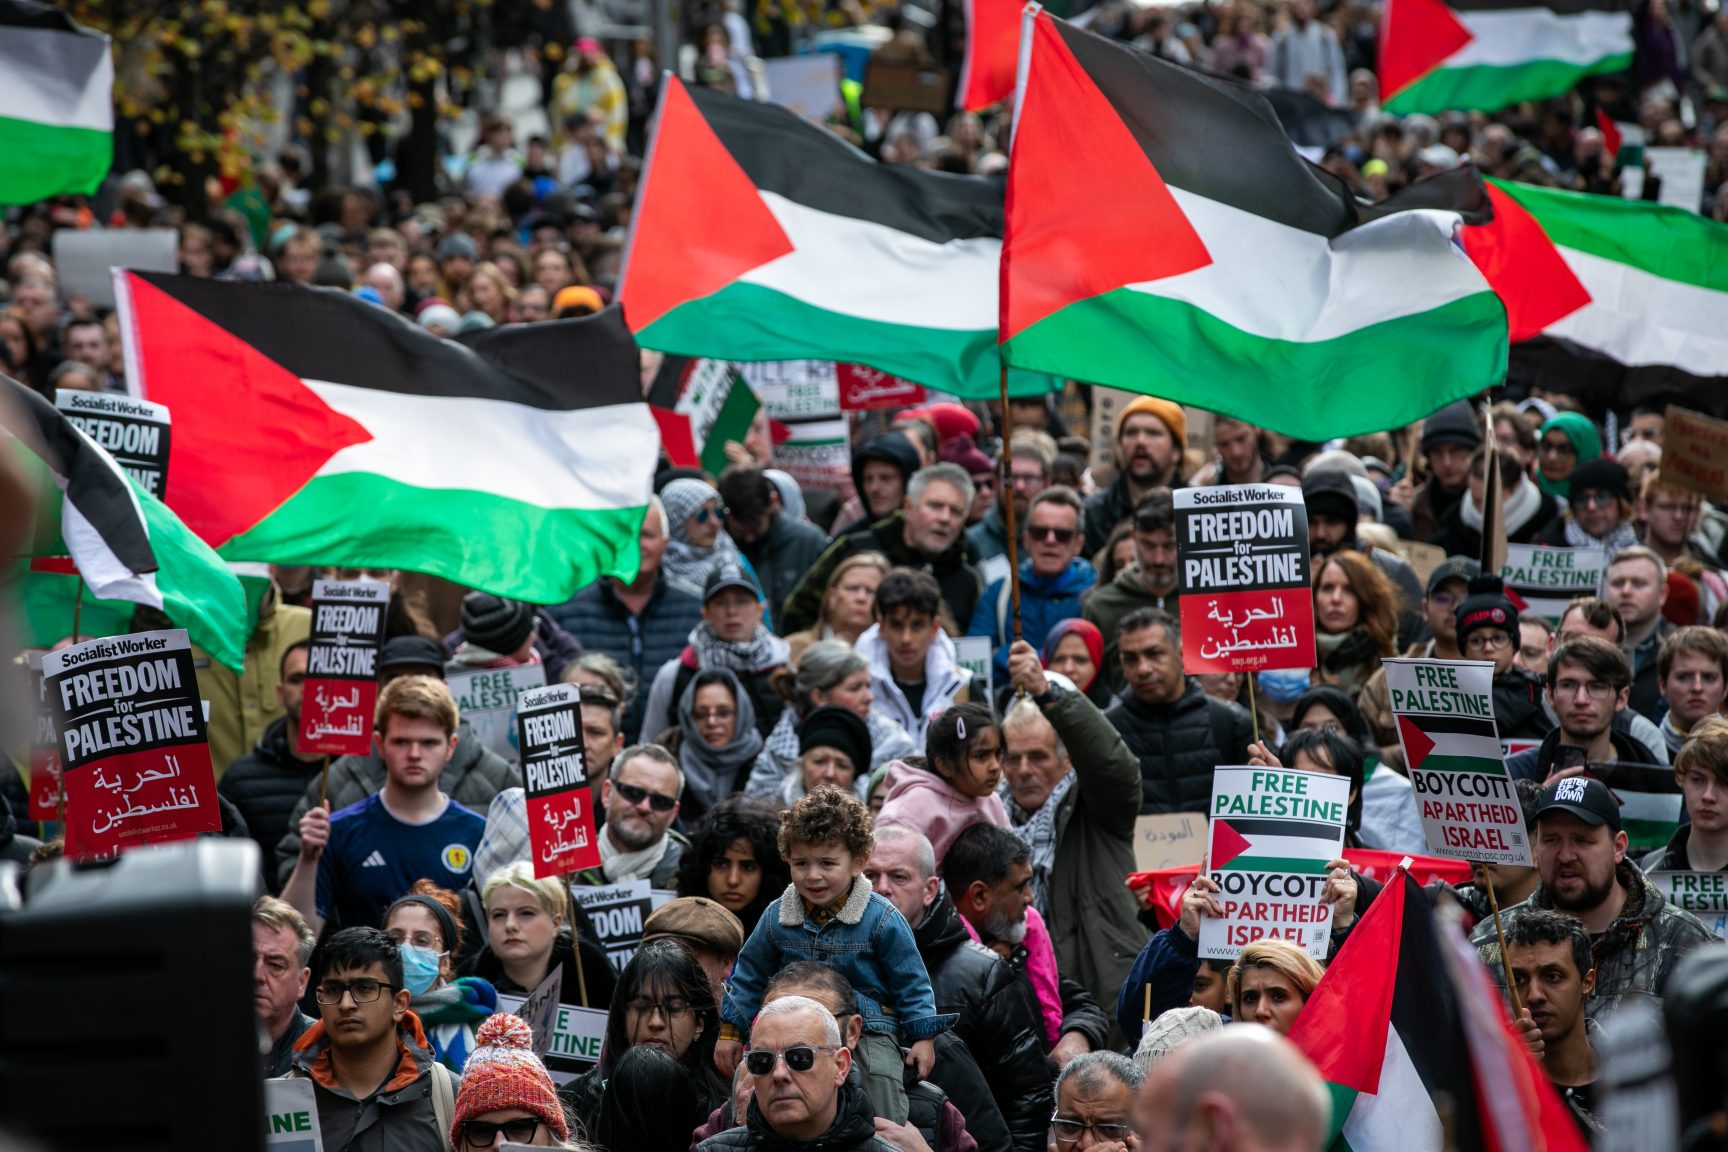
1343,1099
1439,763
45,160
749,322
1383,376
1246,863
198,590
1670,243
1486,88
49,601
360,519
732,422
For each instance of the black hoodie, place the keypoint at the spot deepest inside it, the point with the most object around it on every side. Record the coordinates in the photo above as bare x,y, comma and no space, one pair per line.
891,448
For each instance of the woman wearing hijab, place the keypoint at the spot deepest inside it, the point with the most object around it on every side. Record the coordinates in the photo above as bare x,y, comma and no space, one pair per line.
1566,441
696,539
716,740
1075,648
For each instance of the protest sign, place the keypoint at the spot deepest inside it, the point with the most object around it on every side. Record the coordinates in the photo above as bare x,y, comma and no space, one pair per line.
808,85
133,744
1272,833
1169,840
555,779
1542,581
973,654
577,1035
486,698
44,753
85,259
818,454
1683,172
540,1010
1242,574
135,432
795,389
1704,894
1695,453
616,913
340,694
1445,714
864,388
291,1117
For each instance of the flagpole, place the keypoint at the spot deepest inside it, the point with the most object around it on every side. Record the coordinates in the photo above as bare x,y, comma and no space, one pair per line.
576,944
1008,508
1253,707
1500,935
324,786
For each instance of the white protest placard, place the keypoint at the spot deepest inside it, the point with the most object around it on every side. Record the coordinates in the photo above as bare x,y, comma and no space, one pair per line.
616,913
1682,172
1169,840
486,698
808,85
973,654
1272,833
85,259
1704,894
818,454
576,1037
540,1010
795,389
1453,756
1545,580
135,432
291,1117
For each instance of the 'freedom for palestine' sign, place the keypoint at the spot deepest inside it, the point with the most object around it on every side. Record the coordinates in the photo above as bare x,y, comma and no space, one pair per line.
561,832
135,432
341,690
1242,574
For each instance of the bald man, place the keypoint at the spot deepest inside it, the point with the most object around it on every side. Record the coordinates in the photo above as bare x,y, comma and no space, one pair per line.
1241,1089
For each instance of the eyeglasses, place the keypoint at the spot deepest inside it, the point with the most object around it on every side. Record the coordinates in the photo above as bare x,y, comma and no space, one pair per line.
419,939
1492,640
484,1133
1444,600
1069,1131
1047,532
1594,689
1593,499
363,991
703,514
1558,448
802,1058
658,801
715,714
670,1009
1019,478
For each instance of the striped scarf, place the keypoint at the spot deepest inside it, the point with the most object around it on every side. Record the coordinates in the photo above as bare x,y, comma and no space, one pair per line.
1039,832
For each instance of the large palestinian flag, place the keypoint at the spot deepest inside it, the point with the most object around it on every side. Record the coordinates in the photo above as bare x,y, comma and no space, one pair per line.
760,236
1483,55
56,103
1626,298
314,428
1164,236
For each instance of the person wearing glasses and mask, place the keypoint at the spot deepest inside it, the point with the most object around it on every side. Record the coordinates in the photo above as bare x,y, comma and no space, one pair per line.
1487,626
427,930
372,1070
641,802
507,1096
1053,577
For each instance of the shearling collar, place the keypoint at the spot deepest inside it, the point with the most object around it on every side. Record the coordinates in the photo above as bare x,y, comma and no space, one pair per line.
792,911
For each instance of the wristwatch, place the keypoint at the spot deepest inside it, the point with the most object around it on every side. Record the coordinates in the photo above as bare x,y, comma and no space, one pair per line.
1051,691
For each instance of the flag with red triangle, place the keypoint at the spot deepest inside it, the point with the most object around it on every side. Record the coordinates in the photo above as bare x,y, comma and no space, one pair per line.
312,427
1164,234
992,53
1484,55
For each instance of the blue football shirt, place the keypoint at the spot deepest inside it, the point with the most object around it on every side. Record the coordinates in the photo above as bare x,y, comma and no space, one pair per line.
373,859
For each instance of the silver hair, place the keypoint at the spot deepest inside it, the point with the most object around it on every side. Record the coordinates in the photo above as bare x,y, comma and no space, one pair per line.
824,664
922,850
1091,1067
947,474
790,1005
1022,713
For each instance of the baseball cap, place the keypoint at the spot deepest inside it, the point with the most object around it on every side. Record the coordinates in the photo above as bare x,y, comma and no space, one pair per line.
1584,797
412,651
1453,568
696,920
729,576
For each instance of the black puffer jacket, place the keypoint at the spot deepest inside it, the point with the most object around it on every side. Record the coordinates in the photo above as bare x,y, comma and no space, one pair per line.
853,1130
1180,744
266,784
1518,707
996,1022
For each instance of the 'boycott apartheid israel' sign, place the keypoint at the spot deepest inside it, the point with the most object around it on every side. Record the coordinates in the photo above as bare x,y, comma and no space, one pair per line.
134,752
135,432
555,778
1545,580
341,689
1242,564
1445,711
1273,832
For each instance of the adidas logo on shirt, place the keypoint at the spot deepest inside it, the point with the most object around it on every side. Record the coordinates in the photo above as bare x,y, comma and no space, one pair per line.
376,860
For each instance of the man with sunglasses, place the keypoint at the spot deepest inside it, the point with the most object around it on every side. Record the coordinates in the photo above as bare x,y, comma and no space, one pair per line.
1053,577
641,801
372,1070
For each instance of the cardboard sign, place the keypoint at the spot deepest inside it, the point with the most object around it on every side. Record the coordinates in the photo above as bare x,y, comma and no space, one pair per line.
341,690
617,912
540,1010
486,698
974,653
795,389
1273,831
1695,453
907,86
1423,558
1242,574
555,780
133,742
1542,581
85,260
135,432
1169,840
1452,753
291,1117
1704,894
577,1036
863,388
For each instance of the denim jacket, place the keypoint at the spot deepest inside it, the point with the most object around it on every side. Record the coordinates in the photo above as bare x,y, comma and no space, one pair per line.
867,941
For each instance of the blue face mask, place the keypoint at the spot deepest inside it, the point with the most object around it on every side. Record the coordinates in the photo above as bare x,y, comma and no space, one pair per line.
1283,687
419,968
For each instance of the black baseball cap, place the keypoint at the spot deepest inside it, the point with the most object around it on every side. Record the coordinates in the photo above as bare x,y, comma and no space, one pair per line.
1453,568
1584,797
729,575
412,652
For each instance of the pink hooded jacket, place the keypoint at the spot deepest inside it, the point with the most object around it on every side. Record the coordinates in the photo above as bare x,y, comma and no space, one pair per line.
925,802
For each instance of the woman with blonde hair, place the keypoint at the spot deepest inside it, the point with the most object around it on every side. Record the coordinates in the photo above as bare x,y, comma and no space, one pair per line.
1270,982
1355,619
848,604
489,291
528,934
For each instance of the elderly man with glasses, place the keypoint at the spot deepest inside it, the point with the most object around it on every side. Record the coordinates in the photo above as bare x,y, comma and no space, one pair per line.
1095,1104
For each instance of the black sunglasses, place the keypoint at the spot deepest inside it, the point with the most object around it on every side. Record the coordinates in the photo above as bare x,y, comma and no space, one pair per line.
802,1058
484,1133
658,801
1060,535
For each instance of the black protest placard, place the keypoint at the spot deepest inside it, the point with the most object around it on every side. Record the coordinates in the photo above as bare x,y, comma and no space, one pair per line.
1242,574
617,913
341,688
135,432
561,829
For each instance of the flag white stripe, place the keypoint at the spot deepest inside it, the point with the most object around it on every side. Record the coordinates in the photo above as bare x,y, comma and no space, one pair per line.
1509,37
1306,288
589,459
1638,318
1289,847
1463,744
57,78
1401,1115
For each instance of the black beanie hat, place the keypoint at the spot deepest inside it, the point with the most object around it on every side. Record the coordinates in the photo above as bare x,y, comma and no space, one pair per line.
1486,605
1602,476
831,726
495,624
1331,493
1456,423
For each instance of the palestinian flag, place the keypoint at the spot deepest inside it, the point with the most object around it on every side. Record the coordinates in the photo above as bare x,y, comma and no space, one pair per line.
1483,55
1164,234
992,54
123,543
311,427
1451,744
1636,290
760,236
699,405
1270,844
56,104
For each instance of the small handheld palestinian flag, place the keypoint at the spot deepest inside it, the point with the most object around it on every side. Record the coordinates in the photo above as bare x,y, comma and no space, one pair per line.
1483,55
56,104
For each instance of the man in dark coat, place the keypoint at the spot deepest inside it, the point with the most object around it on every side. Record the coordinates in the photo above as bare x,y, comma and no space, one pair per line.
267,782
779,547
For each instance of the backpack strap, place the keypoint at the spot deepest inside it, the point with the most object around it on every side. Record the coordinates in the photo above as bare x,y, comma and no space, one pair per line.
443,1101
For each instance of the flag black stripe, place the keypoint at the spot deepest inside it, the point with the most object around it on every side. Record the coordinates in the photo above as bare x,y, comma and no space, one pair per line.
94,485
1562,7
1461,725
784,153
325,334
1425,1013
1267,826
34,14
1594,377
